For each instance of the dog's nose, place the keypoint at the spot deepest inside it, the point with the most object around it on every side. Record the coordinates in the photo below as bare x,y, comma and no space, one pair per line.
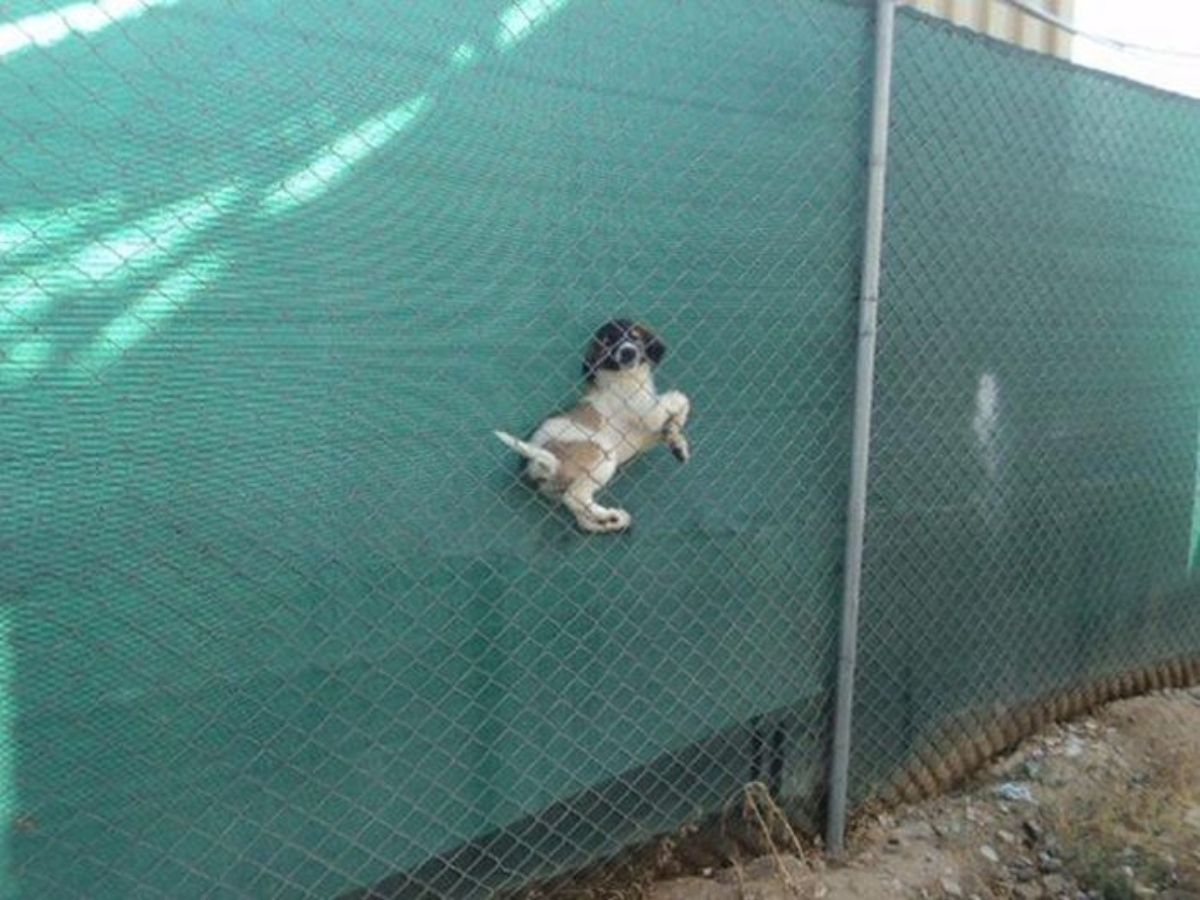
627,354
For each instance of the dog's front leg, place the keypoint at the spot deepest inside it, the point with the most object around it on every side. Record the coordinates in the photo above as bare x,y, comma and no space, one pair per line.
676,407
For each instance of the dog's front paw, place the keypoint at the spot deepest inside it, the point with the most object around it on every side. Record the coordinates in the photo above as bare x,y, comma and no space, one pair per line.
680,449
677,442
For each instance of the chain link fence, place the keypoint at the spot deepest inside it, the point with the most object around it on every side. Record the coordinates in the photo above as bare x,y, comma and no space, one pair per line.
277,616
1033,463
283,621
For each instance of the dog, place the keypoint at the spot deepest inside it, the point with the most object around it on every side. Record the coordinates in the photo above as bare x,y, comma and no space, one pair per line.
573,455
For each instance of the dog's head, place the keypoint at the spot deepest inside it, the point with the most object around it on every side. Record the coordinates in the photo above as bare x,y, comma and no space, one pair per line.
622,344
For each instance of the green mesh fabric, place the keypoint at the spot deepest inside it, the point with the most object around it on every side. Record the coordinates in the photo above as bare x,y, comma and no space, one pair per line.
277,618
1038,393
280,619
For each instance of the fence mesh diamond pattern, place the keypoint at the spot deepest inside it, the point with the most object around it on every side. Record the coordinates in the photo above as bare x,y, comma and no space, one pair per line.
277,616
280,619
1035,430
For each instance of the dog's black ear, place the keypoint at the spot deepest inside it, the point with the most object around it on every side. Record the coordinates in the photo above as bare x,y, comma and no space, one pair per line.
655,348
596,351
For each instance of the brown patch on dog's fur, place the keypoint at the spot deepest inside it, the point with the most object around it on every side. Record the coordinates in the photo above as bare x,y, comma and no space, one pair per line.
587,416
578,459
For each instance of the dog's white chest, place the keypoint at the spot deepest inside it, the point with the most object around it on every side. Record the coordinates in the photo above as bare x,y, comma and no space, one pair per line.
631,411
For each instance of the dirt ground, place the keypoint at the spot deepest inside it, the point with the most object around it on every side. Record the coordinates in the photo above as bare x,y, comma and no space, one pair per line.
1104,807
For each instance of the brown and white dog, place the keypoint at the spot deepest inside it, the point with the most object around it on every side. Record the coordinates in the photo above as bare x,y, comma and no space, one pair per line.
575,454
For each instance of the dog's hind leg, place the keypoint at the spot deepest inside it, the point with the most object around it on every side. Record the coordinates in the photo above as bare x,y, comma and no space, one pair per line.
580,499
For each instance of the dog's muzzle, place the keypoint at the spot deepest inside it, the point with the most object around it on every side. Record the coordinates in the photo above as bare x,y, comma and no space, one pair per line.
627,354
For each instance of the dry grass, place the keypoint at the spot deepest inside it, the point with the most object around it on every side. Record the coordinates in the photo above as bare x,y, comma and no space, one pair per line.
751,825
769,826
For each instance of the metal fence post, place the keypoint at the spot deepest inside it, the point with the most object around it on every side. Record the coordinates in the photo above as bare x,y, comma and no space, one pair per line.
885,19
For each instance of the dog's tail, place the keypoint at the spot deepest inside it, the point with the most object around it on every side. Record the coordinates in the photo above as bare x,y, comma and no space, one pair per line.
534,454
